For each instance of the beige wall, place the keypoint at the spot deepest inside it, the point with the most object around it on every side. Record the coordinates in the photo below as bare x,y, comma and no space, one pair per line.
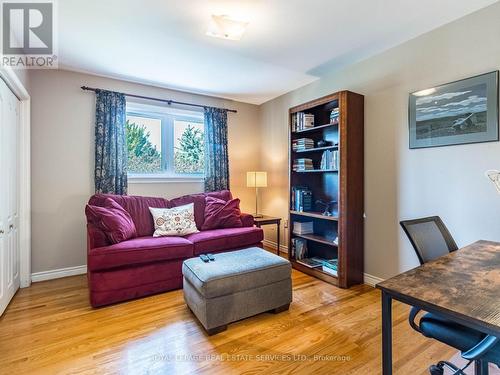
24,77
63,159
402,183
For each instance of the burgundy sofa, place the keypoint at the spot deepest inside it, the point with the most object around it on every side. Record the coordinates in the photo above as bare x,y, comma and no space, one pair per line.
146,265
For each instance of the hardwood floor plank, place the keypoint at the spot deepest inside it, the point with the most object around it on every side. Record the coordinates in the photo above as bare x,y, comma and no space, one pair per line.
50,328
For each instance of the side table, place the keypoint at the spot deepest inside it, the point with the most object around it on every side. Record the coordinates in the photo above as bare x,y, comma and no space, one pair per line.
266,220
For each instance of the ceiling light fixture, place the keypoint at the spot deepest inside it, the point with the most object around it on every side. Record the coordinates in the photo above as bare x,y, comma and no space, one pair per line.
226,28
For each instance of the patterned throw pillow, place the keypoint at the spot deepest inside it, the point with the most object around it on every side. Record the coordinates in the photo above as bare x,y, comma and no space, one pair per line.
177,221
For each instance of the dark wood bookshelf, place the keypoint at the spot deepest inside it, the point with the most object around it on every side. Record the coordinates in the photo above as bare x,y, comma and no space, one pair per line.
343,185
314,129
316,170
320,274
316,238
317,215
316,149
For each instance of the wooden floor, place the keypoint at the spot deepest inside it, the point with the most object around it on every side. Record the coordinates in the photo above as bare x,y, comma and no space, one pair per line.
50,328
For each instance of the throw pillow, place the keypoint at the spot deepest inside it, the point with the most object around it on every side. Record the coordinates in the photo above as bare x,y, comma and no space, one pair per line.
199,206
222,214
113,220
176,221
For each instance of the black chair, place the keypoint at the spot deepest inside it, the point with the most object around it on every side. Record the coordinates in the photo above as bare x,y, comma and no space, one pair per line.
431,239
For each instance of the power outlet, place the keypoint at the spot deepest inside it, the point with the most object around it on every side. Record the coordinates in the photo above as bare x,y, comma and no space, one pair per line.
285,224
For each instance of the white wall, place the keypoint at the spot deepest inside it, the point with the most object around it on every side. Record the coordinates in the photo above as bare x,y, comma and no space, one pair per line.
402,183
63,159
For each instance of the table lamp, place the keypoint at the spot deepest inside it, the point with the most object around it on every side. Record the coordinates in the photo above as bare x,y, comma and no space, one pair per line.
256,180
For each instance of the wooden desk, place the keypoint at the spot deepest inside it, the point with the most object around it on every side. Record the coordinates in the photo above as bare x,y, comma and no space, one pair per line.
265,220
464,286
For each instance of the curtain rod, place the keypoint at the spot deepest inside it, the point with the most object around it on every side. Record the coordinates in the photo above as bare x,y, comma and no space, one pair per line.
168,101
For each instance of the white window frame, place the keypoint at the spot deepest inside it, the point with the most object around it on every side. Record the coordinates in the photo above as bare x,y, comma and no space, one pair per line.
167,114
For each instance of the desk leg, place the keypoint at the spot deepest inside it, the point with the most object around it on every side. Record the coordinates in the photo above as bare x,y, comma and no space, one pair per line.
278,238
481,367
386,334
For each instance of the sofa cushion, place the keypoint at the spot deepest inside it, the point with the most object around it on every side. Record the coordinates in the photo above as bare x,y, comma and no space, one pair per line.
235,271
129,277
215,240
199,206
225,195
137,207
222,214
138,251
113,220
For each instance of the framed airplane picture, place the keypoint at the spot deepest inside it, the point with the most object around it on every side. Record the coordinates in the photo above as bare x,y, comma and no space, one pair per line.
456,113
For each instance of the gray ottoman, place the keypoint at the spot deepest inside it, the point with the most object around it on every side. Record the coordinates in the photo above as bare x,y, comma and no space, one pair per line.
236,285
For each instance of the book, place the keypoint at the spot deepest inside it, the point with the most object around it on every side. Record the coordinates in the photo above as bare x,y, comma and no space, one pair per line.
329,271
330,160
303,164
301,199
302,121
310,262
334,116
299,248
302,144
330,263
303,227
330,266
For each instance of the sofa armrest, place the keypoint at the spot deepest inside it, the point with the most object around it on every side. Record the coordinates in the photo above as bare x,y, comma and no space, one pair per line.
95,237
247,220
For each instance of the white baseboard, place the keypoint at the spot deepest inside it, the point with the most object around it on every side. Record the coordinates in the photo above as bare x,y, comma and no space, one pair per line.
56,274
372,280
273,245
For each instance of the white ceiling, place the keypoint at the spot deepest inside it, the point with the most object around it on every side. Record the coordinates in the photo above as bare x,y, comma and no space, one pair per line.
288,43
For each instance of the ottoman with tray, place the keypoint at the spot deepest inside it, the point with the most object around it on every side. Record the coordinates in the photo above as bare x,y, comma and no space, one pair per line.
237,285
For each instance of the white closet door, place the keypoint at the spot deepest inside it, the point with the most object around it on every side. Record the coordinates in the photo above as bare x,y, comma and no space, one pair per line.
9,191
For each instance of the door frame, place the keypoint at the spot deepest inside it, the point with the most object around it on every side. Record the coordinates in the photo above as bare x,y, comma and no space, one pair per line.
8,75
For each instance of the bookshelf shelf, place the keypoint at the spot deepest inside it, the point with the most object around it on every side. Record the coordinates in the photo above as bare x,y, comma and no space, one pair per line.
329,278
316,170
316,215
315,129
341,188
316,149
316,238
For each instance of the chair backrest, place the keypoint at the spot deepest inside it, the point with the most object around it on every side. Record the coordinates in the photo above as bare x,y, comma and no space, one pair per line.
429,237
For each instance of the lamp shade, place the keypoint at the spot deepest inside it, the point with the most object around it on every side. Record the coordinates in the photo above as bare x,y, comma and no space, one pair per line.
256,179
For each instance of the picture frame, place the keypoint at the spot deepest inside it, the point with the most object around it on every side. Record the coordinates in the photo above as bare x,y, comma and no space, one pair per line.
460,112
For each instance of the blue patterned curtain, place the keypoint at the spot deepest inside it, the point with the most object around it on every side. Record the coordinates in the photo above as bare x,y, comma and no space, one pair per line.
110,143
216,156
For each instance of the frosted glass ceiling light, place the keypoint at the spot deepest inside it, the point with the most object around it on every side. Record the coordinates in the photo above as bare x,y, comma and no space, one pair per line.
226,28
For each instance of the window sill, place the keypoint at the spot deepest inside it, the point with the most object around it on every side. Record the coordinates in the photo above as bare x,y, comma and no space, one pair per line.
162,179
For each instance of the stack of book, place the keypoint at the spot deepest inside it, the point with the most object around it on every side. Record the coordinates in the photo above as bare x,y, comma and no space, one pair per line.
302,164
302,144
330,266
301,199
299,248
334,116
302,121
330,160
303,228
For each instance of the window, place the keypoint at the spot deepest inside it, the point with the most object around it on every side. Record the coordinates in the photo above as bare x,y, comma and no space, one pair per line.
164,142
